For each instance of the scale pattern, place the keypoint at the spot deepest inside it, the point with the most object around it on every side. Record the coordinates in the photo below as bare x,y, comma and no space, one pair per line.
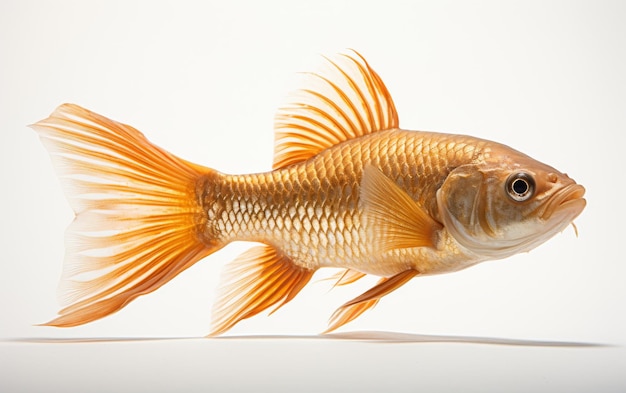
311,212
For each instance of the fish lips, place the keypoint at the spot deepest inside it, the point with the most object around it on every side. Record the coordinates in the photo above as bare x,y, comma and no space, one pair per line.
568,202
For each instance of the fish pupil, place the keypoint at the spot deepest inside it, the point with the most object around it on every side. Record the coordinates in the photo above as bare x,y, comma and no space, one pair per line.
520,186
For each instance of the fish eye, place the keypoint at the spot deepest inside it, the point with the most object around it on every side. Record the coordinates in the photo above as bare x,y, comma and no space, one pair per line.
520,186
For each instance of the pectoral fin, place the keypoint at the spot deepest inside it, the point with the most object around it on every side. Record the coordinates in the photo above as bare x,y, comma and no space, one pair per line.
357,306
394,219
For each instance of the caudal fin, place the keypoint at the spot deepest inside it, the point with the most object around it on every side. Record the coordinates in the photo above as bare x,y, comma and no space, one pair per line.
138,214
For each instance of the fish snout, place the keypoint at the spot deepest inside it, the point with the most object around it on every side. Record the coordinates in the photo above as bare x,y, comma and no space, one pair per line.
569,199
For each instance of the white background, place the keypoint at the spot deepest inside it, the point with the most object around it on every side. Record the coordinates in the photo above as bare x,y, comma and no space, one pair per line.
203,79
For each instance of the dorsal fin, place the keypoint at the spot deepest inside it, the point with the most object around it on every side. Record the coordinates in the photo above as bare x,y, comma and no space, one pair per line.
344,101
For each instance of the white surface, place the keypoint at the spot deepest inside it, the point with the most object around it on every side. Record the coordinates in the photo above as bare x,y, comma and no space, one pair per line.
308,364
203,80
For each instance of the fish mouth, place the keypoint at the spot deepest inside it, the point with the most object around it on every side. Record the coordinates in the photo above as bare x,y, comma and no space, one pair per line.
568,201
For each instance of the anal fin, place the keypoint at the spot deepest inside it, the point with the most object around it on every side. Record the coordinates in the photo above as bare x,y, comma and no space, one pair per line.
258,279
357,306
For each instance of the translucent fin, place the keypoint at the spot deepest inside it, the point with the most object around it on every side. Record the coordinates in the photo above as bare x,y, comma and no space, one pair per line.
258,279
348,276
357,306
396,219
138,220
345,101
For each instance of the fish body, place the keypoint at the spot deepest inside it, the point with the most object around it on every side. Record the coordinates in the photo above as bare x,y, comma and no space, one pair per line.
349,189
312,210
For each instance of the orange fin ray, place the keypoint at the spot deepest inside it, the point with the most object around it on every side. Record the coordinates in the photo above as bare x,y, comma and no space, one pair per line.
138,219
345,101
258,279
345,277
396,219
357,306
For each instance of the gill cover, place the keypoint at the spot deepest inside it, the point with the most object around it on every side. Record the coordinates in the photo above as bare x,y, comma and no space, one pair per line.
479,214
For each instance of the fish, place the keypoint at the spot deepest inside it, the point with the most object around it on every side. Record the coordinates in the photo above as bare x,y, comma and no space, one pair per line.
348,189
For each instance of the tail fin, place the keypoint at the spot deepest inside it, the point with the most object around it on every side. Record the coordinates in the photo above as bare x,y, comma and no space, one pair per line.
138,214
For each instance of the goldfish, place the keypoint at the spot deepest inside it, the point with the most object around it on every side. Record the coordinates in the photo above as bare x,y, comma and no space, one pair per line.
348,189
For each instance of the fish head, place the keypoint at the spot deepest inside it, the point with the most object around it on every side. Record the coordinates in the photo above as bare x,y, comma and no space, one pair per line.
508,204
